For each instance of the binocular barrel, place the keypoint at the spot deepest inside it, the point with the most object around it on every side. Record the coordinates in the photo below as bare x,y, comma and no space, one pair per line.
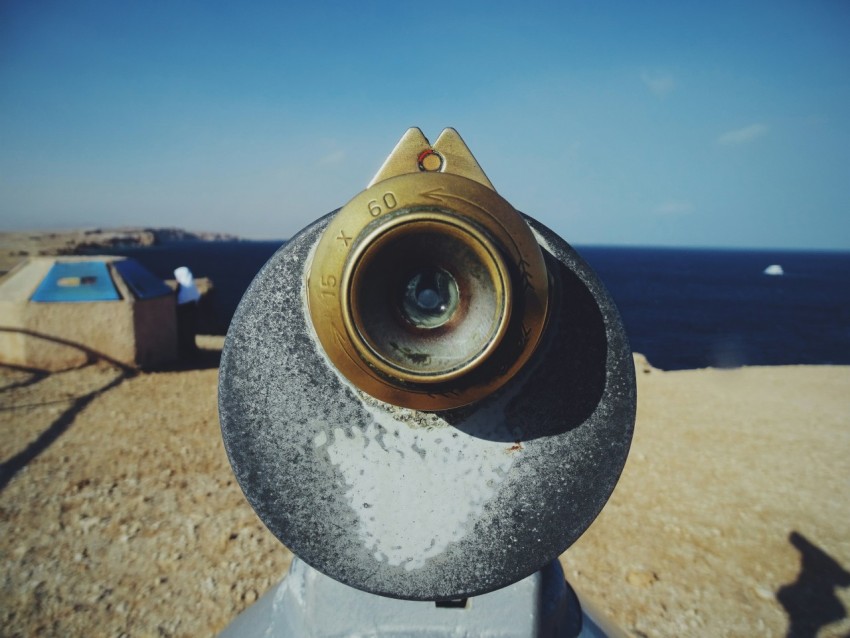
426,394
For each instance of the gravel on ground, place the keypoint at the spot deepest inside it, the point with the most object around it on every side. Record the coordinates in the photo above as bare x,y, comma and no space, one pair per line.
119,515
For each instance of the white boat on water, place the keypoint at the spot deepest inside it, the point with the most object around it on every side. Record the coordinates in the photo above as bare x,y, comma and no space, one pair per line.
774,269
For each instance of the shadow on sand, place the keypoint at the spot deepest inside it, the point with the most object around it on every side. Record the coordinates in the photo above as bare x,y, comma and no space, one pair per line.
810,601
10,467
204,358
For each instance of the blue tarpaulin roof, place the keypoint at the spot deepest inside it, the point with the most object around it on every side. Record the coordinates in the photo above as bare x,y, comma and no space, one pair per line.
143,284
91,281
77,281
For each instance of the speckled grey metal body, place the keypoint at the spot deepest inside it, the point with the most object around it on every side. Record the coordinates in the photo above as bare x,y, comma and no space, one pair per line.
416,505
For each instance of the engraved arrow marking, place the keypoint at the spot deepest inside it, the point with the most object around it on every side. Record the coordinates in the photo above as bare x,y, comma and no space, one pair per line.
526,276
434,193
342,342
526,333
439,195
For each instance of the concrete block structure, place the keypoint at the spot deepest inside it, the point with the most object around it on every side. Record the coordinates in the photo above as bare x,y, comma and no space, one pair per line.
58,313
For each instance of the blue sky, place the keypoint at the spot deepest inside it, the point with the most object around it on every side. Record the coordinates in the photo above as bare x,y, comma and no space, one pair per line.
678,124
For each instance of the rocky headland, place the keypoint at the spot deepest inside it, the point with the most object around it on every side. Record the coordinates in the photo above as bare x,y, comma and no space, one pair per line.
17,246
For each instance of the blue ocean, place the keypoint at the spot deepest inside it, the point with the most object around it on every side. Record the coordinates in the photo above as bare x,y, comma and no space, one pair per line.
682,308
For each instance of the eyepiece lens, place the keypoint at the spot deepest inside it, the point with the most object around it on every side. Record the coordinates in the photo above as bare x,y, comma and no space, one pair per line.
430,298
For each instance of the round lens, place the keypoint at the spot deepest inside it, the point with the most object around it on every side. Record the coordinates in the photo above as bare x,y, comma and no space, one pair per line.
430,298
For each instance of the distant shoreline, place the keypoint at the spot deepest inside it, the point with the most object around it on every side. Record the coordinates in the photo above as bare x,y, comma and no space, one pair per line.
685,309
17,246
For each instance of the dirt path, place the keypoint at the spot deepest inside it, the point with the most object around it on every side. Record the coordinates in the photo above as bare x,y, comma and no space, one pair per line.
119,513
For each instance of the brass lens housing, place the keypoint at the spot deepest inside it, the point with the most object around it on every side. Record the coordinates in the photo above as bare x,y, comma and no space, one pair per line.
377,277
371,253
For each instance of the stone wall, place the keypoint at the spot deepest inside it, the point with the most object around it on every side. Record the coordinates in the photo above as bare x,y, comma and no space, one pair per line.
63,335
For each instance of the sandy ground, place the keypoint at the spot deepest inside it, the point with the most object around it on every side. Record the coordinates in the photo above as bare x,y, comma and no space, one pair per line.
119,515
735,496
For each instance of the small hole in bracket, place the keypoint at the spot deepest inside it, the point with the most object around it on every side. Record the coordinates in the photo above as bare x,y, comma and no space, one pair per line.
430,161
457,603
